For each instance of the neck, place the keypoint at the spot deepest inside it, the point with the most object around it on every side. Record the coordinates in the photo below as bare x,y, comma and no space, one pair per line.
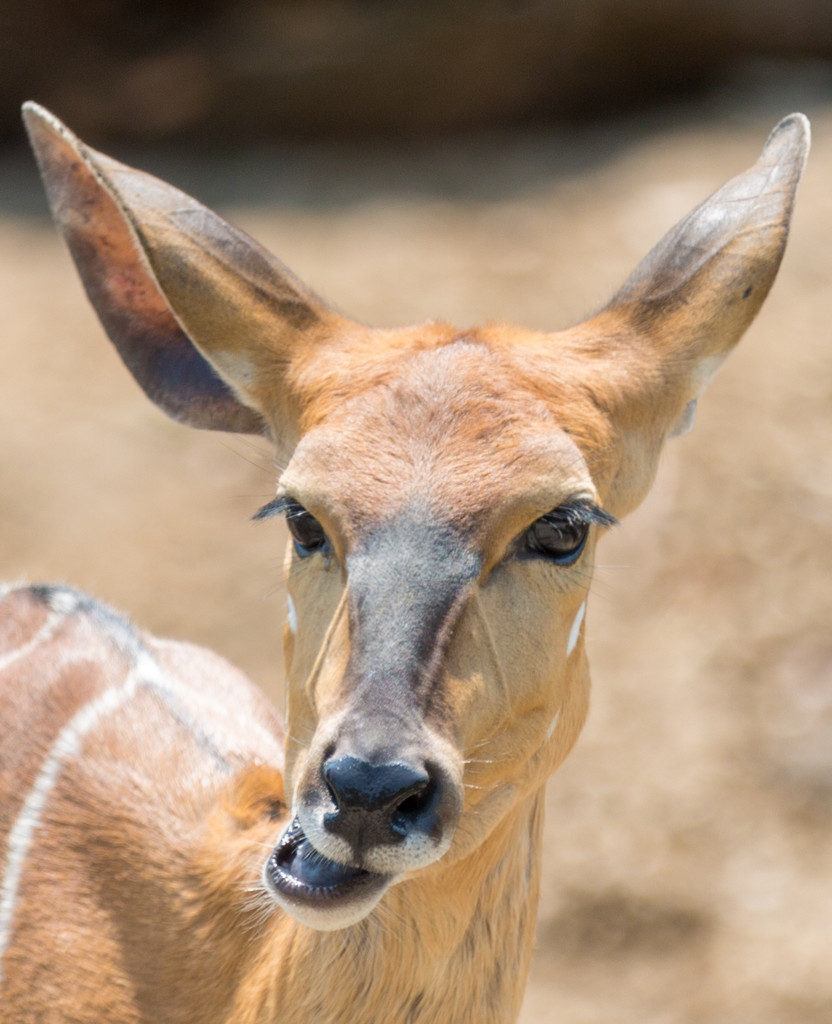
452,944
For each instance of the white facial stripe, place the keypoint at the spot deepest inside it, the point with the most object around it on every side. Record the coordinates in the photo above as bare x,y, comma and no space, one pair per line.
550,732
575,631
292,615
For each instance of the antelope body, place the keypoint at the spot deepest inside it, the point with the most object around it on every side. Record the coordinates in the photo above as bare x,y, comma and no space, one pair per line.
444,490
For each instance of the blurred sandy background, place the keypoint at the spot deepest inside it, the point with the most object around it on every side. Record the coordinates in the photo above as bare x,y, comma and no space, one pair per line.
688,862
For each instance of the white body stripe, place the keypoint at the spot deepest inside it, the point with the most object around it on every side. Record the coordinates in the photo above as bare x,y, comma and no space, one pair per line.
67,745
203,703
50,624
575,631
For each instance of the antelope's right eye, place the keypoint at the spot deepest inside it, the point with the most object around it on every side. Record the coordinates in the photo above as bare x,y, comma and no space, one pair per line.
306,531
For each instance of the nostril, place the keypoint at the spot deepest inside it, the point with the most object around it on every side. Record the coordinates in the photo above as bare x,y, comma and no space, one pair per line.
377,804
412,805
333,792
414,809
358,785
419,800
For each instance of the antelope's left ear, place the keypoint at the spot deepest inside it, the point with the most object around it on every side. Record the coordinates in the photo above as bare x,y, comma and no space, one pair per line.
687,304
206,320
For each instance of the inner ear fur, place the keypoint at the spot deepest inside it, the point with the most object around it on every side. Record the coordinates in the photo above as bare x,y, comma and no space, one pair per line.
198,310
668,329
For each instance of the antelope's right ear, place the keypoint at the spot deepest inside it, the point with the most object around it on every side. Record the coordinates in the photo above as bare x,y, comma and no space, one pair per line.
200,313
677,317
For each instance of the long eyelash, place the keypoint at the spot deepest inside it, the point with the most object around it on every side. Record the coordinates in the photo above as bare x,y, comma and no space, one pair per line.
580,513
279,506
577,513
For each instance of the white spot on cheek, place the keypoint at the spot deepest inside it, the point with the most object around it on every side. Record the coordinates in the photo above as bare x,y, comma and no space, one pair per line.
575,631
292,616
552,726
684,424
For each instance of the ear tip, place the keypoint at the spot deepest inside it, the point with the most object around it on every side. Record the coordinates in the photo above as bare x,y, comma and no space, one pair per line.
33,111
44,128
790,139
36,117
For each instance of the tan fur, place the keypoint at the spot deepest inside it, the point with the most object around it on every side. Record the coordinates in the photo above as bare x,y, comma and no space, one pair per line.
142,896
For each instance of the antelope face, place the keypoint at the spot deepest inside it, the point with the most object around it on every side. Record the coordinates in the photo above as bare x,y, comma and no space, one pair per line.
442,529
443,492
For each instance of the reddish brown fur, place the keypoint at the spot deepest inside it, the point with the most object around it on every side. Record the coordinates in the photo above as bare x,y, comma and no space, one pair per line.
149,849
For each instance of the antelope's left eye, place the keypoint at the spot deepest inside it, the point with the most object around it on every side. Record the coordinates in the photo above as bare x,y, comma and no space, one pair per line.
306,531
559,536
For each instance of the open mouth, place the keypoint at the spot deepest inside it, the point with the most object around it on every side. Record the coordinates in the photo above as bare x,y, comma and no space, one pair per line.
301,873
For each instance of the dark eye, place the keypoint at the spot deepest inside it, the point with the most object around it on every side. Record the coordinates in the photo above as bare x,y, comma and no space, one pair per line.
558,536
306,531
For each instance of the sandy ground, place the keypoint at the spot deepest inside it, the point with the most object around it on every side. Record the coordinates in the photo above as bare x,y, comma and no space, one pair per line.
688,861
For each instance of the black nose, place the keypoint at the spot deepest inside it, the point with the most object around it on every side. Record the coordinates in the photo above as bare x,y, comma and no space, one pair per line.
379,803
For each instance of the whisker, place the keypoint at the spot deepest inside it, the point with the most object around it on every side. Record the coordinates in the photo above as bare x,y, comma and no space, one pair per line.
263,463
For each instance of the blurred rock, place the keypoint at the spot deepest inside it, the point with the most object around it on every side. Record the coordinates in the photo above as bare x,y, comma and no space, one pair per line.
231,72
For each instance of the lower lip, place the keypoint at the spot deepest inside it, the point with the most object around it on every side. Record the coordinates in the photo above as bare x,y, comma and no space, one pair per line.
303,875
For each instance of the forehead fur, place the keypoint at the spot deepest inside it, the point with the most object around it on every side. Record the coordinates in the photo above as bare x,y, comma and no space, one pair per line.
466,423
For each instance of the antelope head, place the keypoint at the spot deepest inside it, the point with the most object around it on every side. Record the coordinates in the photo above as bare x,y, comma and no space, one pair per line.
444,490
